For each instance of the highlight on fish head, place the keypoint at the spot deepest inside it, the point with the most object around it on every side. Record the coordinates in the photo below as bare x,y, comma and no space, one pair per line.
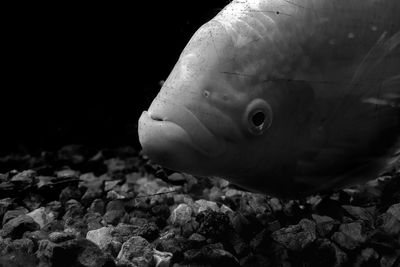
213,116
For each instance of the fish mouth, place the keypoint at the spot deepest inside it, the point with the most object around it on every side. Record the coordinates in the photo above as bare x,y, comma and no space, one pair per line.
172,136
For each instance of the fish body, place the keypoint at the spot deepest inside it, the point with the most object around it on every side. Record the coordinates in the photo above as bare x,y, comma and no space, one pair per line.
287,98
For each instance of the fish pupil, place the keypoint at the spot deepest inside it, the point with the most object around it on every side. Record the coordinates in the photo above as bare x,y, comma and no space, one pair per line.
258,118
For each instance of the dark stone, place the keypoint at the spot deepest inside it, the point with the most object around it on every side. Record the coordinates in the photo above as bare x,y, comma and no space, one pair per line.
359,213
73,209
24,245
33,201
210,255
213,224
115,216
5,204
19,259
80,252
53,226
115,205
97,206
350,235
148,231
58,237
324,253
296,237
175,245
93,221
16,227
136,250
325,225
257,260
70,192
11,214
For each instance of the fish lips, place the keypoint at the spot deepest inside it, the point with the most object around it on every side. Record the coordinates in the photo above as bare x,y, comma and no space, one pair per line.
172,136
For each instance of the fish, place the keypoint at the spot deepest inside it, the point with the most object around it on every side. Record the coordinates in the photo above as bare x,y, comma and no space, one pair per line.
283,97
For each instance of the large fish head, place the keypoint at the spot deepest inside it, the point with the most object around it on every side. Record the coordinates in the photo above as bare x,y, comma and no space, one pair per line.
209,118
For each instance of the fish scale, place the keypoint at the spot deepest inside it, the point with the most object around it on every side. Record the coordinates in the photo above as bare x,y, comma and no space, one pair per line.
321,76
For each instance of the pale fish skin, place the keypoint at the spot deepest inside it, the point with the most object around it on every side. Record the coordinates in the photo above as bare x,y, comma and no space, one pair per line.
287,98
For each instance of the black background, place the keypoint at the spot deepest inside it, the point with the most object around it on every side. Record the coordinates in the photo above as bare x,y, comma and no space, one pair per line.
82,74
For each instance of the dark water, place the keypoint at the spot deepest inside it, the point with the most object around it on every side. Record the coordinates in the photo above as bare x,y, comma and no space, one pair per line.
83,73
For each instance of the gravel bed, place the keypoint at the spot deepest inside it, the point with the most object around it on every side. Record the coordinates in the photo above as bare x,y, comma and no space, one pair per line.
111,207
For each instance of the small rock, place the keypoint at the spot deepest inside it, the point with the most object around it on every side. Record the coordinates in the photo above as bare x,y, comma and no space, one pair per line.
122,232
41,216
148,231
210,255
104,239
359,213
395,211
176,245
73,209
388,260
80,252
97,206
162,259
350,235
45,252
256,260
17,259
389,223
24,245
27,177
16,227
115,217
58,237
296,237
67,174
367,257
5,204
33,201
213,224
53,226
115,205
93,221
36,236
55,207
205,204
11,214
225,209
70,192
137,251
238,244
258,243
325,224
325,253
198,238
181,214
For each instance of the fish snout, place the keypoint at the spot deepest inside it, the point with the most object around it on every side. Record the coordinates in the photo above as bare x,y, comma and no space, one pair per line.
172,136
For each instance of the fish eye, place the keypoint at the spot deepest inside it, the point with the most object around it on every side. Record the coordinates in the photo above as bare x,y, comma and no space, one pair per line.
258,116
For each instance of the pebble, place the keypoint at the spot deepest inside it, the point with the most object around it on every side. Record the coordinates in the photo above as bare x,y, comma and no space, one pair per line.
350,235
11,214
58,237
213,224
162,259
104,238
41,216
205,204
136,250
181,215
296,237
16,227
395,211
